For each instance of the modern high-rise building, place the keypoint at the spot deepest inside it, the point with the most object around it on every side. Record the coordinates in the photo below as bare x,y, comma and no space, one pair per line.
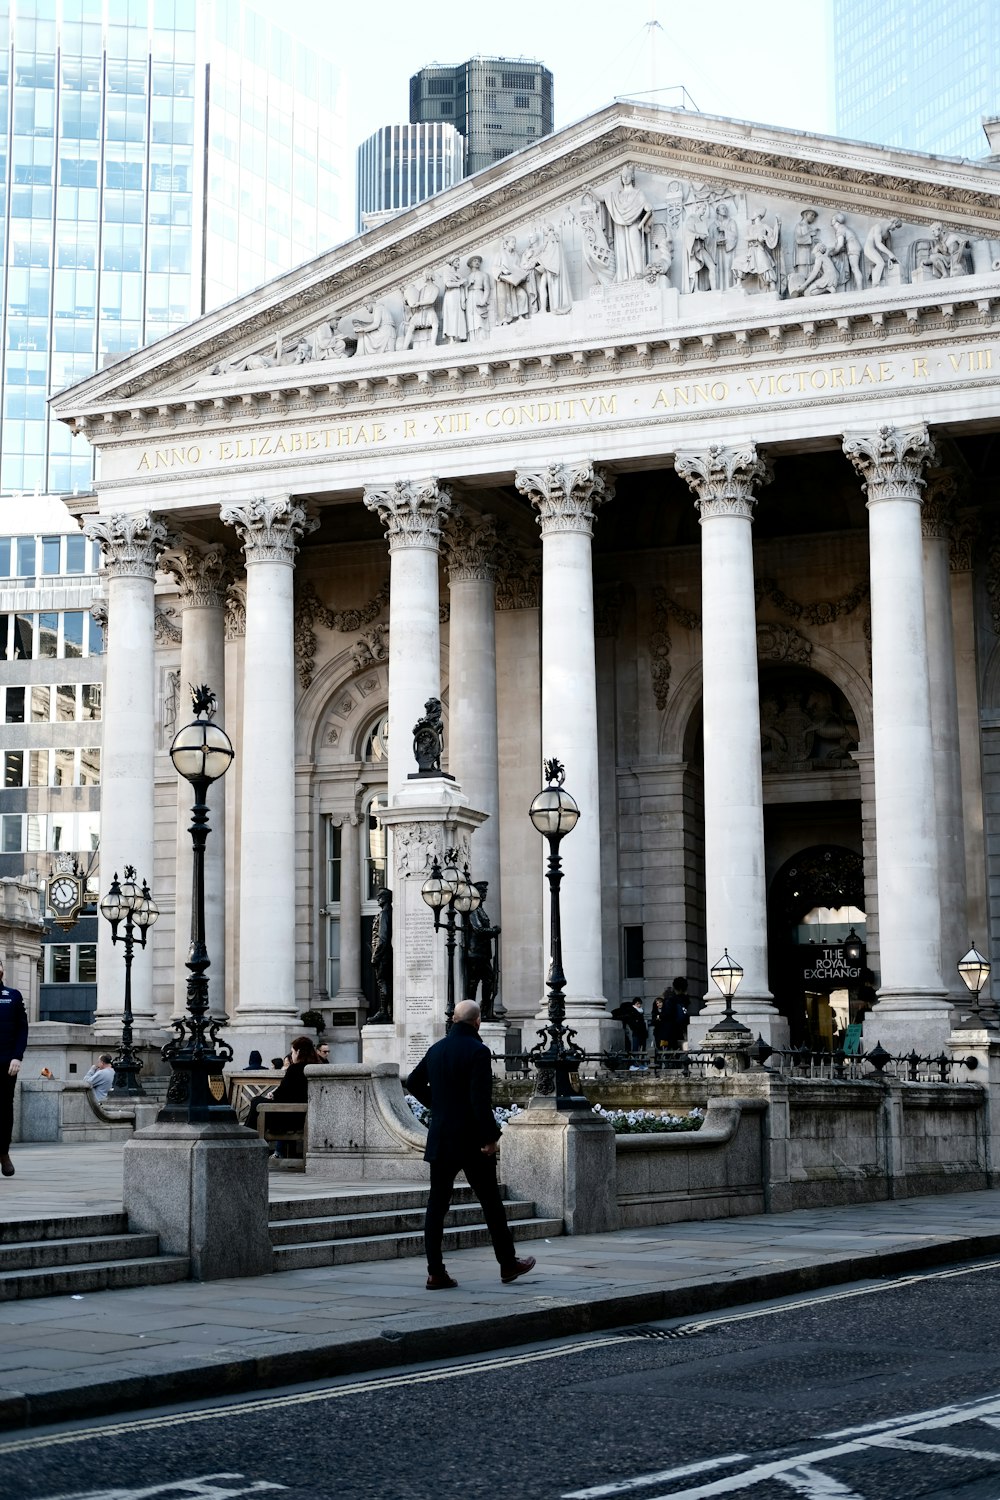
916,73
400,165
164,156
499,104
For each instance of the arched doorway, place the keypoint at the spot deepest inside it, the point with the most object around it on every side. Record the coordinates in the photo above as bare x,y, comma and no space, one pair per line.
815,912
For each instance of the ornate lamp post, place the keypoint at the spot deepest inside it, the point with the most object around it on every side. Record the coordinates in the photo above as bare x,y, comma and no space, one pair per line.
449,890
554,813
727,975
201,753
127,904
975,970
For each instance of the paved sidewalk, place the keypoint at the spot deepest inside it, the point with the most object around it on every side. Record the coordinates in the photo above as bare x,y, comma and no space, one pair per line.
67,1357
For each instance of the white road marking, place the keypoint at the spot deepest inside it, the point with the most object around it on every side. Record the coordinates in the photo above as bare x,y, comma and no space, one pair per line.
785,1469
816,1485
622,1486
306,1398
206,1487
988,1455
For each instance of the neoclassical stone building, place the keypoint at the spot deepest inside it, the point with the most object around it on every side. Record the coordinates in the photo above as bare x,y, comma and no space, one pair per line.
665,447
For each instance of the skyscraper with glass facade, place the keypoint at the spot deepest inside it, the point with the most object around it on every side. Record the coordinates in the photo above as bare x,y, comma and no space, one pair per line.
916,73
498,104
400,165
159,158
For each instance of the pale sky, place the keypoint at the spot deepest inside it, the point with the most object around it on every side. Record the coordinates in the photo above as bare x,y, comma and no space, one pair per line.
745,61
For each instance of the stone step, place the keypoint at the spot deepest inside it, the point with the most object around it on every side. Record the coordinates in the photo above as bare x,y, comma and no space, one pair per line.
375,1200
389,1221
99,1276
41,1254
65,1226
400,1246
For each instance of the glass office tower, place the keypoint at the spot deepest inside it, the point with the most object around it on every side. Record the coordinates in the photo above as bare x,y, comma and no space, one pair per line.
916,73
498,104
160,157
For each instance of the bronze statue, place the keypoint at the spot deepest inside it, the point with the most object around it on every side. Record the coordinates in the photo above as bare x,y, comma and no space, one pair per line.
481,957
382,960
428,739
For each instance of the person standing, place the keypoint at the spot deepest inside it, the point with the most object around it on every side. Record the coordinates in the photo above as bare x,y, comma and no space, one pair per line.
100,1077
454,1079
13,1041
635,1020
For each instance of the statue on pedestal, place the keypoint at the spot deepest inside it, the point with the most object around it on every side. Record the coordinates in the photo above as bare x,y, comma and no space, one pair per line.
428,739
382,960
481,958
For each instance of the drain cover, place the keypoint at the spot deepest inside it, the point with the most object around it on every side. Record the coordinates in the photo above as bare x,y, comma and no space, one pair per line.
647,1331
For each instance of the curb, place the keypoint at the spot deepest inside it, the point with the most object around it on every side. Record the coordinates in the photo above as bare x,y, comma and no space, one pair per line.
301,1361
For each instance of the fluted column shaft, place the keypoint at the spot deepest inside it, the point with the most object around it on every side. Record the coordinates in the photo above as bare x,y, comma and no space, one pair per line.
130,545
472,687
566,498
725,483
269,531
350,992
202,578
891,463
412,513
936,518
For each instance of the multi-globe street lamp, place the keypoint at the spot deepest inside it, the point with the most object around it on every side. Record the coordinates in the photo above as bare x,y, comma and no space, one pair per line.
554,813
131,911
202,753
450,890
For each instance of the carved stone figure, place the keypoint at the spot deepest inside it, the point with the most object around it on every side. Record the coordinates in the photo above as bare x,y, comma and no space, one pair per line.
454,321
510,277
699,259
845,252
375,329
802,728
529,260
382,960
481,966
597,251
428,739
422,322
723,245
631,217
328,343
944,253
480,291
804,236
550,269
758,264
823,276
878,249
661,252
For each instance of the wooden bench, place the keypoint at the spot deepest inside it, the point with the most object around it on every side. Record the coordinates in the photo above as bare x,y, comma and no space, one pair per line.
244,1088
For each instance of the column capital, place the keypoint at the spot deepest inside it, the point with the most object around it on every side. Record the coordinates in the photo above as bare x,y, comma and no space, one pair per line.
411,510
566,495
472,547
891,460
964,537
236,610
270,529
202,574
130,544
724,480
937,514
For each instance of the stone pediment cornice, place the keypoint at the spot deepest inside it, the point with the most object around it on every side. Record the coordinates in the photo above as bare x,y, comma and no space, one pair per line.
827,172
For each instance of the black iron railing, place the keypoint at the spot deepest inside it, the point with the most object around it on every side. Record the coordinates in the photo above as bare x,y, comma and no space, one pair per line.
796,1062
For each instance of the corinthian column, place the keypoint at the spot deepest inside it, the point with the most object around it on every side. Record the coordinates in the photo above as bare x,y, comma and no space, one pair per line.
725,483
566,498
270,531
411,512
130,545
937,519
202,577
473,554
912,1011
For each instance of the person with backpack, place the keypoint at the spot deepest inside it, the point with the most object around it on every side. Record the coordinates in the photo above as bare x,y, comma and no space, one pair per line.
670,1018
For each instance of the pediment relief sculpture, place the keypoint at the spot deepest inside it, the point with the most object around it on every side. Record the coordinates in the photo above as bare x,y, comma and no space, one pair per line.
639,250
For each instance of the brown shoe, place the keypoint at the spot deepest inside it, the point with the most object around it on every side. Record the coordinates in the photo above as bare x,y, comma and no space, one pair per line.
6,1166
519,1268
440,1281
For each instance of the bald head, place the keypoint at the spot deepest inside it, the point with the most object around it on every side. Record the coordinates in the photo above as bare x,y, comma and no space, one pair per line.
467,1011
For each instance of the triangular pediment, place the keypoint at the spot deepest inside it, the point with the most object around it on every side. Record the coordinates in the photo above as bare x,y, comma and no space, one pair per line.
635,223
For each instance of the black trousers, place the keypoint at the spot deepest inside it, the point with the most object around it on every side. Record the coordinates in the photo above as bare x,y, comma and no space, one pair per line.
7,1086
481,1175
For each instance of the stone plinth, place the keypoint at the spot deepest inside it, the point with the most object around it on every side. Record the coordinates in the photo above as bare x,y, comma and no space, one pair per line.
203,1190
564,1161
493,1034
360,1125
428,816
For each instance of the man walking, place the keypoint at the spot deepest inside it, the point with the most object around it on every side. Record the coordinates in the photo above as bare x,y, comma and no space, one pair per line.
13,1040
455,1081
